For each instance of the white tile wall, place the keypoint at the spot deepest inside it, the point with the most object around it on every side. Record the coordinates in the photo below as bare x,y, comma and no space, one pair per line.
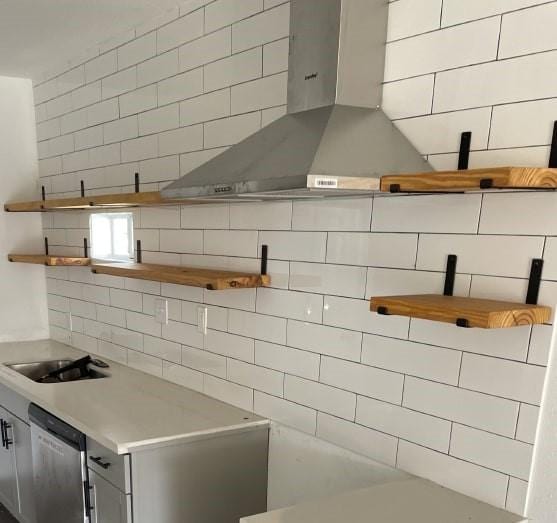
459,406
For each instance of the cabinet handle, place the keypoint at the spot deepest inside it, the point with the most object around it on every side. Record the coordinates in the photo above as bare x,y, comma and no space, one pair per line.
7,441
3,433
99,462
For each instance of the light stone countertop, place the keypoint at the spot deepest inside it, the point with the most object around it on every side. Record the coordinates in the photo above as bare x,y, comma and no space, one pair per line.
126,412
407,501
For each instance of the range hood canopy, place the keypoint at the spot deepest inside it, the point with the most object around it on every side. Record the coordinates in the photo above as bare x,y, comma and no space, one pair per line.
334,140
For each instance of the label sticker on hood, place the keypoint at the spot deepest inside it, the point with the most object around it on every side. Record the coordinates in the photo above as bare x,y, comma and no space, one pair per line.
326,183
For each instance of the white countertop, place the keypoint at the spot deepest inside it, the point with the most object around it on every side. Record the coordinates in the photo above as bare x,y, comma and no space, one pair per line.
127,411
407,501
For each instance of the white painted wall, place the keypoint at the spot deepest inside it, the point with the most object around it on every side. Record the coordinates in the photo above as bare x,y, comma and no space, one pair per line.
23,308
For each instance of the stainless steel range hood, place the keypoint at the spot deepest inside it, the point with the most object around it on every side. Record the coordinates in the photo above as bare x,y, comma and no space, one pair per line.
335,140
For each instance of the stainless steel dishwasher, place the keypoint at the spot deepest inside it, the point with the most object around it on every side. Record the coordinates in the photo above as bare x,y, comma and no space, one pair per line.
60,480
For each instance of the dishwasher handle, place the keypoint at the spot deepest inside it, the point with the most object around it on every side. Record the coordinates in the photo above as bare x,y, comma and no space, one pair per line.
99,461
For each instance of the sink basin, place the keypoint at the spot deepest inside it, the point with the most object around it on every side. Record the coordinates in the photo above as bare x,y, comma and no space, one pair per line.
36,370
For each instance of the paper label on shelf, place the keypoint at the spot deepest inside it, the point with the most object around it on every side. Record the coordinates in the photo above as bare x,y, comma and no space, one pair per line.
326,183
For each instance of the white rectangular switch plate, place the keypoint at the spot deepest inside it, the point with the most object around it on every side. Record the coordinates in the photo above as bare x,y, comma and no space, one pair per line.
202,320
161,311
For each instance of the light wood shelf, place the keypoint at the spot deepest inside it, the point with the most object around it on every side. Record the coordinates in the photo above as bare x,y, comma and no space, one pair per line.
206,278
49,260
463,311
103,201
473,179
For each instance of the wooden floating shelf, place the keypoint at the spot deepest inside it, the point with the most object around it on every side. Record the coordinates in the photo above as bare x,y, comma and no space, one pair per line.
103,201
49,260
473,179
462,311
206,278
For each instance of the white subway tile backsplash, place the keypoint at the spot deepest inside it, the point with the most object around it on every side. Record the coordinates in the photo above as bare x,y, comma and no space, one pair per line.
102,66
180,31
472,480
458,46
332,215
157,68
252,376
159,120
425,430
230,345
102,112
478,410
259,94
204,361
298,246
408,18
139,148
205,50
180,87
265,27
261,216
501,343
527,423
228,392
275,57
540,345
455,213
229,131
205,108
225,12
160,218
233,70
410,97
231,243
289,304
487,255
369,443
321,339
361,379
182,376
455,12
492,451
321,397
509,379
373,249
285,412
182,333
504,81
181,241
523,124
516,496
339,280
181,140
137,50
91,137
258,326
205,217
285,359
405,357
119,83
165,350
86,95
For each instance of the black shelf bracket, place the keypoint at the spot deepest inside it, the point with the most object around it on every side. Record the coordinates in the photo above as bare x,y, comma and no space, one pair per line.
82,186
462,322
450,274
534,281
464,152
43,193
85,248
138,253
383,311
264,259
553,151
46,246
136,181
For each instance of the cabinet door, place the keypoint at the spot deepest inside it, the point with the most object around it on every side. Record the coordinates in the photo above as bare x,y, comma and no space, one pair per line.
110,505
21,436
8,478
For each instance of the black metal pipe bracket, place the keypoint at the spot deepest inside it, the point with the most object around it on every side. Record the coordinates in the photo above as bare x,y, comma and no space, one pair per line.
46,246
82,187
450,274
138,253
534,281
85,248
136,182
264,259
553,151
464,152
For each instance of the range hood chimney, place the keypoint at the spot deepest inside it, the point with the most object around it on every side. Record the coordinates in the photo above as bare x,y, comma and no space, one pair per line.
334,140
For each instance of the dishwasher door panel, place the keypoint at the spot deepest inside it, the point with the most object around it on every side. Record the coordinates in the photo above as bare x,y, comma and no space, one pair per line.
58,479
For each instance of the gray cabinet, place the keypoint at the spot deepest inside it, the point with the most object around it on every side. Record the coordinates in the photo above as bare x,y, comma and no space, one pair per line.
24,469
8,476
109,504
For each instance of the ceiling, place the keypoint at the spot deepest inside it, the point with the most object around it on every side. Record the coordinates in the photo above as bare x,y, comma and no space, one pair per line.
38,34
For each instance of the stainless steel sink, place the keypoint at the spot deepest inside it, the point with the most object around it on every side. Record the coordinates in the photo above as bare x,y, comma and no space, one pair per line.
37,370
